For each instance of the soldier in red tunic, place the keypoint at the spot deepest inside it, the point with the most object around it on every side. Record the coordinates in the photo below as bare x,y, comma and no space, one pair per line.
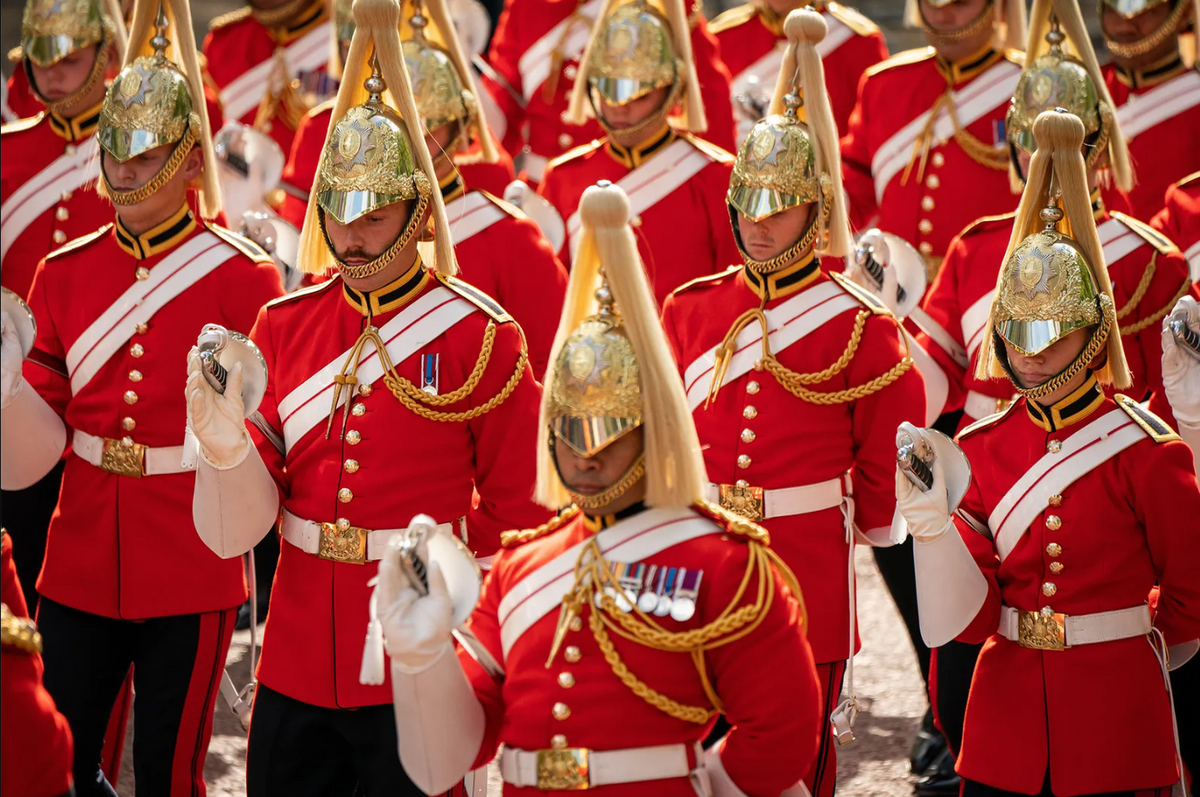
1075,506
1179,220
795,378
357,432
752,43
676,182
616,632
125,580
1157,95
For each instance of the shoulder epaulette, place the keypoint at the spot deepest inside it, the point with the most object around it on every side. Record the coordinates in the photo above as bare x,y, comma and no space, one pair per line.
986,421
853,19
321,108
734,524
311,289
16,55
81,242
21,125
18,632
1147,233
242,244
870,300
706,279
1186,181
476,297
714,153
731,18
1015,56
978,224
1158,429
504,205
576,152
511,539
229,18
902,59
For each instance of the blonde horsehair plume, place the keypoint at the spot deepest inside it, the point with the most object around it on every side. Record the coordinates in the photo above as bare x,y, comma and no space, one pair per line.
1059,160
377,32
182,53
116,18
1079,43
803,73
444,22
1009,13
674,463
333,67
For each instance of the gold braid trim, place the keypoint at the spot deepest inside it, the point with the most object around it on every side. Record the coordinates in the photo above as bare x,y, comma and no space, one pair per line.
162,177
511,539
1154,318
18,632
993,157
614,491
1140,292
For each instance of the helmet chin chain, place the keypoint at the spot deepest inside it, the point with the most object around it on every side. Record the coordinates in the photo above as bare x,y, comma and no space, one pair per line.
633,474
1082,360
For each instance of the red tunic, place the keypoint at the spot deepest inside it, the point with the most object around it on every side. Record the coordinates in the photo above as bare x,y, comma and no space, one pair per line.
1161,154
1179,220
853,44
46,166
391,465
538,128
21,99
926,210
776,712
1097,715
759,432
672,255
118,546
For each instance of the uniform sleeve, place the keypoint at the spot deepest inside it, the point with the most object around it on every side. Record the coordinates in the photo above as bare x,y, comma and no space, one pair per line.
984,553
301,168
855,57
549,189
272,457
536,299
1170,277
1166,220
504,55
856,162
485,624
767,683
35,739
875,419
714,88
54,388
941,304
504,439
724,247
259,284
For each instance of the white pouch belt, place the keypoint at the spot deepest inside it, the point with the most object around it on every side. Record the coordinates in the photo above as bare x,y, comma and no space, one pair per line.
1043,631
134,460
534,165
977,405
782,502
349,544
580,768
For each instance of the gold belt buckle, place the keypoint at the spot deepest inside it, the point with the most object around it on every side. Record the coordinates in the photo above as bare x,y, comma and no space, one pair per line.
563,770
341,542
743,500
1042,630
124,458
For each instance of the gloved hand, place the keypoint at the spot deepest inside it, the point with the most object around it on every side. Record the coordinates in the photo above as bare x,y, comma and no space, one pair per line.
887,292
217,420
416,628
927,513
11,360
1181,370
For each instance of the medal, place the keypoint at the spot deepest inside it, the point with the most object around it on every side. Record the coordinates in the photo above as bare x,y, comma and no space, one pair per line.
666,583
648,600
631,583
429,373
683,607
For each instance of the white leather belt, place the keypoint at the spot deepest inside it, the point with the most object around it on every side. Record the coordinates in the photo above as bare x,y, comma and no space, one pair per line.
977,405
757,503
128,458
1043,631
579,768
341,542
534,165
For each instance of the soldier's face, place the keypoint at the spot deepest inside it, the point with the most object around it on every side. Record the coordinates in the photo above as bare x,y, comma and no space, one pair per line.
595,474
772,236
1036,369
1133,29
368,236
66,76
953,15
633,112
139,170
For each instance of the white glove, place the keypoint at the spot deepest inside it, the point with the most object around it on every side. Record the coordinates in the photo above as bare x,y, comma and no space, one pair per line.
1180,370
11,360
416,628
860,277
927,513
217,420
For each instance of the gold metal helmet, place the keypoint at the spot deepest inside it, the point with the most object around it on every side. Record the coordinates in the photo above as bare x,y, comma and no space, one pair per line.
775,167
1181,12
53,29
147,106
1131,8
633,56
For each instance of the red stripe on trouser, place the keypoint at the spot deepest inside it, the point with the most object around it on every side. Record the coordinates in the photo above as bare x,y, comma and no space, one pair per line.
822,778
196,722
114,736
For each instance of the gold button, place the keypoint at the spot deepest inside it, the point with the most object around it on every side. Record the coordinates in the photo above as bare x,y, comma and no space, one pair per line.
1054,522
127,442
742,483
358,410
142,329
576,624
752,388
59,237
558,742
69,149
345,496
61,213
353,437
572,654
748,435
142,274
135,376
933,181
1054,549
565,140
926,203
570,71
351,466
743,461
750,413
365,390
342,524
66,196
926,248
561,711
758,365
566,680
939,159
1049,588
130,397
136,350
1054,446
1056,567
128,424
925,226
1056,500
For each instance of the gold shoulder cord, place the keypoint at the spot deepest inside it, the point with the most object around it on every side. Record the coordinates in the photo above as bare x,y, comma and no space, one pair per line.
511,539
993,157
1140,293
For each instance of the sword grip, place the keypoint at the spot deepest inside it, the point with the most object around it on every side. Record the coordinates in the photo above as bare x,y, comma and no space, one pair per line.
1184,335
214,372
914,467
865,256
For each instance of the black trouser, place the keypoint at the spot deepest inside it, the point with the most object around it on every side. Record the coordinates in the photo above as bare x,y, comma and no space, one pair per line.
26,514
1185,684
179,661
297,749
972,789
953,671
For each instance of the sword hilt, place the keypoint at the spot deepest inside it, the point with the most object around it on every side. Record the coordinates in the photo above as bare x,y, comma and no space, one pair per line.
212,341
1184,335
865,257
914,459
